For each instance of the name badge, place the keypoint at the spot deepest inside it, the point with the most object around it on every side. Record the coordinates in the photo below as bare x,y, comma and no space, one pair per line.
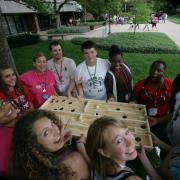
126,97
152,111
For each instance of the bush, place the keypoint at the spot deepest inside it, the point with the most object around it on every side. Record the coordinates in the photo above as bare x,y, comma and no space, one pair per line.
138,43
72,29
22,40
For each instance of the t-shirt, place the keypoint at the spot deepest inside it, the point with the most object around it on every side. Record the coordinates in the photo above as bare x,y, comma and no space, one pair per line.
63,74
156,100
119,85
41,85
92,79
174,125
19,99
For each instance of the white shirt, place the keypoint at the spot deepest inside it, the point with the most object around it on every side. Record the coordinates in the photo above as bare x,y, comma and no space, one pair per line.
68,70
92,79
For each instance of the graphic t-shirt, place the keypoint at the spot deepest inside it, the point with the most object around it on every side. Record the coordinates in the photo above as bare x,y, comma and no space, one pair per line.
156,100
92,79
41,85
20,100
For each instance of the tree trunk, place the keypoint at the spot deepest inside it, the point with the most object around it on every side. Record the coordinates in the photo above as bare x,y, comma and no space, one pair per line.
58,18
5,52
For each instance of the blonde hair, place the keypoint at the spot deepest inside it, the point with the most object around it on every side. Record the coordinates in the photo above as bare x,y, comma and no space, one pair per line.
96,140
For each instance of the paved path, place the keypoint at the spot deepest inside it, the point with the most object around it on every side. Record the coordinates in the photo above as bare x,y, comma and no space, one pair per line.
169,28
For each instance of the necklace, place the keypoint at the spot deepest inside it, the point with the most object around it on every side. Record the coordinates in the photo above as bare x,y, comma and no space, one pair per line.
93,77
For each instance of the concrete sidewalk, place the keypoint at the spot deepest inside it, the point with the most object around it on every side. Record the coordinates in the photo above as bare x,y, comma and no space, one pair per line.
169,28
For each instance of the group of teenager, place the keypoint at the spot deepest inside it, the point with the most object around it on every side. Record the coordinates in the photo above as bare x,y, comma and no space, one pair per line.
33,143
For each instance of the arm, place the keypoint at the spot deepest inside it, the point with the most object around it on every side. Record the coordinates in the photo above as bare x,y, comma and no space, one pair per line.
160,143
109,87
153,120
70,88
147,165
165,167
81,148
80,90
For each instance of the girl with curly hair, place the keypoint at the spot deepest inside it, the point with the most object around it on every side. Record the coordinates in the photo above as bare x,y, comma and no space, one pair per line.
38,150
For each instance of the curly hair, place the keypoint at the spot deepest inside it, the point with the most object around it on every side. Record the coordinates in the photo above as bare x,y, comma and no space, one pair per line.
29,160
96,140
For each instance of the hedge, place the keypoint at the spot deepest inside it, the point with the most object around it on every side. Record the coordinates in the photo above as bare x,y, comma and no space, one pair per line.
22,39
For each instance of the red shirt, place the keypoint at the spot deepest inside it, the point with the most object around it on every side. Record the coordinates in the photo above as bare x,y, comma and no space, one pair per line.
156,100
19,99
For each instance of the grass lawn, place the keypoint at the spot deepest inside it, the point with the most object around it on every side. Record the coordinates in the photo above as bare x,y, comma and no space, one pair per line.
138,63
148,42
174,18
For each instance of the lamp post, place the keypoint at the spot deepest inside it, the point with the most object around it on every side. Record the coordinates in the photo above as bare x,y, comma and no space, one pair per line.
85,11
109,15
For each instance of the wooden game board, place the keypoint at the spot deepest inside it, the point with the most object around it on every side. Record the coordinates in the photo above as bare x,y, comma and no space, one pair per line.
79,114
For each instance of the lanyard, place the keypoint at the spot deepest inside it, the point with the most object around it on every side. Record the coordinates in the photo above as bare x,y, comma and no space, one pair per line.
58,74
122,75
93,77
18,103
42,82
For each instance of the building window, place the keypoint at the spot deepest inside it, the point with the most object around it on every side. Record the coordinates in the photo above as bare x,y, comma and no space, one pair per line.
5,26
12,25
20,24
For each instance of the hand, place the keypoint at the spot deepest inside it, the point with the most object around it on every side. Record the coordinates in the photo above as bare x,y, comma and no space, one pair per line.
67,135
155,139
111,99
82,139
7,115
81,98
141,152
152,121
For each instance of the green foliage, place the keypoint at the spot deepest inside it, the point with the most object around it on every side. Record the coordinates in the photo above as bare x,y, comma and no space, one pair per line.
140,10
174,18
22,40
139,42
70,29
99,7
38,5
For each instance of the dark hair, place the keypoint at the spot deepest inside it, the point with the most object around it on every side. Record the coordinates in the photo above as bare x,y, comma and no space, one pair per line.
3,86
158,62
114,50
175,90
39,54
88,45
29,159
54,43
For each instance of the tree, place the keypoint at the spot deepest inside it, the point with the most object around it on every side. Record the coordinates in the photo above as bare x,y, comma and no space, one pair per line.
99,7
140,11
57,12
5,52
